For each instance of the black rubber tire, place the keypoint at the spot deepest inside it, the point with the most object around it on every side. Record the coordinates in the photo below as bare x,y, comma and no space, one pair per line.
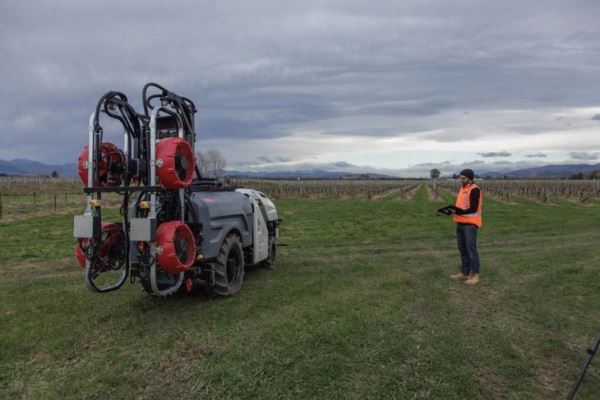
229,267
271,260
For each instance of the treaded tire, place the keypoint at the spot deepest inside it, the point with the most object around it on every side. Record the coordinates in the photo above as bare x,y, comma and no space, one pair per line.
229,267
271,259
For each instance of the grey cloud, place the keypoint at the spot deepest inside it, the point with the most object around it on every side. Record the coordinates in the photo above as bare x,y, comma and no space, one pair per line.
596,117
445,136
265,159
370,131
415,107
536,155
343,164
493,154
270,160
474,162
433,164
267,70
583,155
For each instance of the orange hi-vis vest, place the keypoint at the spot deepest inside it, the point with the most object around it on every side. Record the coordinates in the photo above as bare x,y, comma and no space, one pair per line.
463,201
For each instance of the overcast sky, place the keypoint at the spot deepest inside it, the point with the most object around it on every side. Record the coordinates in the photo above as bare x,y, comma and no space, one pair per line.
390,86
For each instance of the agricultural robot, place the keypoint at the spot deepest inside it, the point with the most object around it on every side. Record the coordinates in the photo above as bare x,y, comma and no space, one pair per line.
178,230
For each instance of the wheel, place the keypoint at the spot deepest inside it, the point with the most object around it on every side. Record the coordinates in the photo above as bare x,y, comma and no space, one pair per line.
229,267
270,261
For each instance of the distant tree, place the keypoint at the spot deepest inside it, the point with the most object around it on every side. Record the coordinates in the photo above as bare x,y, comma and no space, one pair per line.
211,162
595,174
202,164
578,175
54,174
434,173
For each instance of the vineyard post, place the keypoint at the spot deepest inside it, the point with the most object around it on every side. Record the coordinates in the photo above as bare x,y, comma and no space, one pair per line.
0,205
55,202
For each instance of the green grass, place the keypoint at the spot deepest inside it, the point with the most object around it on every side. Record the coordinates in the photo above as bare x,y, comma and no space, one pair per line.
359,307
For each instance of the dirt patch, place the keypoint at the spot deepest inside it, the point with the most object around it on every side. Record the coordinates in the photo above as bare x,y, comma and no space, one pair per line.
10,216
587,202
384,194
544,202
491,381
13,272
473,300
367,283
410,191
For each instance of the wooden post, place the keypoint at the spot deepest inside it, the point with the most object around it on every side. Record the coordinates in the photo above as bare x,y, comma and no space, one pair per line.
65,199
55,202
0,205
34,199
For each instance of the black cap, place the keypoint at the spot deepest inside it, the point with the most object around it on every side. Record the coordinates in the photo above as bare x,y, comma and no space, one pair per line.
468,173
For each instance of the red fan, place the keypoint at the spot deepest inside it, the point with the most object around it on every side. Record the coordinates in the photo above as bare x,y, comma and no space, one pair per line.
176,247
112,165
175,163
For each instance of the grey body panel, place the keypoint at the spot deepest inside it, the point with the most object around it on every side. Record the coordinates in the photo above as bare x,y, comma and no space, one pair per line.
267,205
83,226
220,213
142,229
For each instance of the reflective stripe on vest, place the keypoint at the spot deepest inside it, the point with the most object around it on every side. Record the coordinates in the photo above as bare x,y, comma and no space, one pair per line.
463,201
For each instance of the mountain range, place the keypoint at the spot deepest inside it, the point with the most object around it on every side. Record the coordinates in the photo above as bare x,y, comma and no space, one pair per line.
21,166
306,174
547,171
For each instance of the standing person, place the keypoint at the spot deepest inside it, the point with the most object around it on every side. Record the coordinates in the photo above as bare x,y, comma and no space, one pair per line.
467,215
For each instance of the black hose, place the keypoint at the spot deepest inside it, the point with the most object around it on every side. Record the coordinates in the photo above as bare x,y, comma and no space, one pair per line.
145,100
127,116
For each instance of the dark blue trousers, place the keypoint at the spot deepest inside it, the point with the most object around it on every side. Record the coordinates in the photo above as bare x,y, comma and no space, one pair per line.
466,236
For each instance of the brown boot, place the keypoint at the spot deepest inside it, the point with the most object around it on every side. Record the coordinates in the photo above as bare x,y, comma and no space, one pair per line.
459,277
472,280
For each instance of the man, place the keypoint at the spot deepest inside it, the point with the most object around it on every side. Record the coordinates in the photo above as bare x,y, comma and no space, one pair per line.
467,215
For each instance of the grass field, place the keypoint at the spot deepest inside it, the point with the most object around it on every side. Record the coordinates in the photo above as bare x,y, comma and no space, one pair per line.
359,307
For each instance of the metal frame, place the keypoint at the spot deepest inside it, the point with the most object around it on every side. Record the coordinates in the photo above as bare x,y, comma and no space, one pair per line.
95,212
